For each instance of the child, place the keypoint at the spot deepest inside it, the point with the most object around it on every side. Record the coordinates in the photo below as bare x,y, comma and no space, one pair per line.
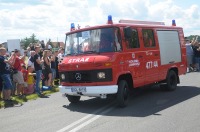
30,81
25,75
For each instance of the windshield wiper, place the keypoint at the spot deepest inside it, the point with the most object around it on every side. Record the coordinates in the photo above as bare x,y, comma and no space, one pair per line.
71,54
90,52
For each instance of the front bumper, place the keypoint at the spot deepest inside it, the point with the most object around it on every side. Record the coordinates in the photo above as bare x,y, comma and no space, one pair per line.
94,91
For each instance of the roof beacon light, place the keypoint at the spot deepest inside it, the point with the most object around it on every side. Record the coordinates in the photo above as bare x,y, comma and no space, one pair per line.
173,23
110,20
72,27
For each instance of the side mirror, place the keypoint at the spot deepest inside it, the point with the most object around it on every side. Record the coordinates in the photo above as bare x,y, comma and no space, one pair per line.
127,32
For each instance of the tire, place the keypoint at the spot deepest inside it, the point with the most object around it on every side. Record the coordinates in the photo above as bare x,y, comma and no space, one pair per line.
122,93
73,99
171,80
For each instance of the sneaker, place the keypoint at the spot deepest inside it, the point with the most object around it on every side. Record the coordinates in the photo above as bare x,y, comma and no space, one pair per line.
23,96
9,101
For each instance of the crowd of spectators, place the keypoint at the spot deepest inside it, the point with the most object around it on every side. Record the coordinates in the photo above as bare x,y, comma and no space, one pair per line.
193,54
22,74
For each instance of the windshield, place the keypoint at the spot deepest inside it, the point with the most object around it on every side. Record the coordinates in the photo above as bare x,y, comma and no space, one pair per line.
93,41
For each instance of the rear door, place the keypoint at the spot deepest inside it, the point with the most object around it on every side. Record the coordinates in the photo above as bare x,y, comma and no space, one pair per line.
151,55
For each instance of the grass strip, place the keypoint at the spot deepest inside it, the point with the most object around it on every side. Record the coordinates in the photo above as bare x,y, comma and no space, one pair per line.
20,100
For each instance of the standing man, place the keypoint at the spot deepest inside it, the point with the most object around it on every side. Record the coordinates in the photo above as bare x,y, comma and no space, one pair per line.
5,75
18,76
38,69
190,53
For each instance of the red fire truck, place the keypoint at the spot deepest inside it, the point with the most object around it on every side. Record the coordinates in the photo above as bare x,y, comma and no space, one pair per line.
113,58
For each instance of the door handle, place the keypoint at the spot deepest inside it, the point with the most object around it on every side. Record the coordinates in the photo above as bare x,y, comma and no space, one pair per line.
140,56
171,62
156,55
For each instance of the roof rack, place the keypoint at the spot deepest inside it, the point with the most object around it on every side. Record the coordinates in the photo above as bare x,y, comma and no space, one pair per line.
141,22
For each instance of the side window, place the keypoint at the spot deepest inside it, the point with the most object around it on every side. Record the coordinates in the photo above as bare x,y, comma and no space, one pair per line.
133,42
148,38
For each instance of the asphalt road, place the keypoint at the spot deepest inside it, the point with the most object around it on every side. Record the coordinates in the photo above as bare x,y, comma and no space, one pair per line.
151,110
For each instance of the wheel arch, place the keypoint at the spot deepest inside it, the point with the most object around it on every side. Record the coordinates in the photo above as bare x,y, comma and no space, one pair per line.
175,69
127,77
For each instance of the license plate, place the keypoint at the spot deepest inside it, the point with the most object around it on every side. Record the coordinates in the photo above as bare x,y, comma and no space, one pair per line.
80,89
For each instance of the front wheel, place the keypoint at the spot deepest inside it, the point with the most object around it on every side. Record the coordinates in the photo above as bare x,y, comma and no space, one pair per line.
171,80
73,99
122,93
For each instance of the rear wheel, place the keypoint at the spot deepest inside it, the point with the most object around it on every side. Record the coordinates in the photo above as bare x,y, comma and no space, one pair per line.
122,93
171,80
73,99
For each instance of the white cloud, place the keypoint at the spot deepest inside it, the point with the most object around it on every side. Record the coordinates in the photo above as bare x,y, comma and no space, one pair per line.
52,19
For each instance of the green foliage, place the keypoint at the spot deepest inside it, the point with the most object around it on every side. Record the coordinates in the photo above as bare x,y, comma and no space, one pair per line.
26,41
193,36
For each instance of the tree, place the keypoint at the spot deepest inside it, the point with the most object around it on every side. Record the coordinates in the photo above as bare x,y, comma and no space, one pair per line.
193,36
26,41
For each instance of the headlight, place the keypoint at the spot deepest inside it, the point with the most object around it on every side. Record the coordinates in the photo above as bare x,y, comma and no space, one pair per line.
101,75
63,76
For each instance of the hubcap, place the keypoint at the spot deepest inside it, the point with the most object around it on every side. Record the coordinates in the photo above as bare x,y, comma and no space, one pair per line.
125,93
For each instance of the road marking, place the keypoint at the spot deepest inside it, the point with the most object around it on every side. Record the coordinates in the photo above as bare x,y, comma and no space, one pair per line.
91,120
86,117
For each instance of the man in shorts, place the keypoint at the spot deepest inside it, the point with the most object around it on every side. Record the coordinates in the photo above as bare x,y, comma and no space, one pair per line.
18,76
5,75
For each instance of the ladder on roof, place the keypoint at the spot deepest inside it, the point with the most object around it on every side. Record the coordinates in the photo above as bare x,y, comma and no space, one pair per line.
141,22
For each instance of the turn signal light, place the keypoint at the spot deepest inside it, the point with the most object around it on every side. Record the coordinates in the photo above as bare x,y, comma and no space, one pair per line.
108,64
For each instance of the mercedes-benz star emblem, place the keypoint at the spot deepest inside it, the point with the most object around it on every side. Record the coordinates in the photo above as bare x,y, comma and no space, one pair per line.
78,76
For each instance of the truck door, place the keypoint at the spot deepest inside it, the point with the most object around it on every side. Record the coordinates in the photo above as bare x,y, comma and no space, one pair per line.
135,59
151,56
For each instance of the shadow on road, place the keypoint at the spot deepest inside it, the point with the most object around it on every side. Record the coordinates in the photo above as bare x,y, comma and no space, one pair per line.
144,103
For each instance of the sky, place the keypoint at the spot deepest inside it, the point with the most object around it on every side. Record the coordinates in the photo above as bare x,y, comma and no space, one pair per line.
52,18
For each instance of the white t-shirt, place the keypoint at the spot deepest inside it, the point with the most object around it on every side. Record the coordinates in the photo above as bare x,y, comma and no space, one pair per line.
30,63
49,46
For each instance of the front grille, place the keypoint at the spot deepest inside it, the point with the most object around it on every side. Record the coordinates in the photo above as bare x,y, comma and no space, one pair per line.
86,76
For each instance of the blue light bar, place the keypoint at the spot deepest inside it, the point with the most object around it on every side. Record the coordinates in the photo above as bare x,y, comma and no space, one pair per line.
110,19
173,23
72,26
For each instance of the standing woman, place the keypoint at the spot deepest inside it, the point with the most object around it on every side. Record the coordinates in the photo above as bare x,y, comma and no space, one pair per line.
47,69
53,65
